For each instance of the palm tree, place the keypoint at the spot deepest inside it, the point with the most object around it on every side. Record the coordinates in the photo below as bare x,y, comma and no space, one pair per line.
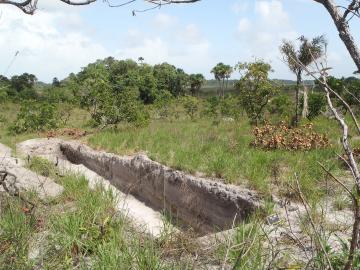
141,59
222,72
307,53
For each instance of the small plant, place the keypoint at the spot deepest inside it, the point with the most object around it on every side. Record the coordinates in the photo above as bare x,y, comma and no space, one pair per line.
270,137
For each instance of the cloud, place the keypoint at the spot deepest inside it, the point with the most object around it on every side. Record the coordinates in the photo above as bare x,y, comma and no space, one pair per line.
191,35
164,21
244,25
261,35
240,7
188,49
47,46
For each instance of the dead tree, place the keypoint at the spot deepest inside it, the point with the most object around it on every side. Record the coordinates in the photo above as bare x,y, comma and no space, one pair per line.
320,74
341,15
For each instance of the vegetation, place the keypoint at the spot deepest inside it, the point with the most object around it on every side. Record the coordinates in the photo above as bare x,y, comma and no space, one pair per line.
222,74
255,89
159,109
307,53
81,228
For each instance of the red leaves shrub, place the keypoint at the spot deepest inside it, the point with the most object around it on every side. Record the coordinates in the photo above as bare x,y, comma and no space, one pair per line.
280,136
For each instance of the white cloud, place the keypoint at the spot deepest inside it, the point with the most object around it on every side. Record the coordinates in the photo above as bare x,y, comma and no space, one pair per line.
240,7
244,25
191,35
188,50
261,36
47,46
163,20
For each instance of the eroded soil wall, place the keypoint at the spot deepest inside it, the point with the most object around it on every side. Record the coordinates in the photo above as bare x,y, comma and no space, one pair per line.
205,205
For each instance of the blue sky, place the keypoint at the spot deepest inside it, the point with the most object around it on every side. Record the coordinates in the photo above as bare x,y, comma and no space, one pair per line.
60,39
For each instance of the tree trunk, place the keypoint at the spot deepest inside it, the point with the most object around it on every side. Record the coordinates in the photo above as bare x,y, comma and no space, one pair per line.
297,101
343,29
305,111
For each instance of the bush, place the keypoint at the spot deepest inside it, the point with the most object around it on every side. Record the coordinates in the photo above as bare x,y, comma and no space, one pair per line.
211,106
281,105
3,96
230,107
270,137
317,103
35,117
191,105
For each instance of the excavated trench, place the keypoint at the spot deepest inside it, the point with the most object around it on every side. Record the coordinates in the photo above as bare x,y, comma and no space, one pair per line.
147,188
205,205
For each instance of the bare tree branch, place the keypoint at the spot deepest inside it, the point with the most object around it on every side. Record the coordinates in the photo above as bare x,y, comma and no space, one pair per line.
30,6
341,23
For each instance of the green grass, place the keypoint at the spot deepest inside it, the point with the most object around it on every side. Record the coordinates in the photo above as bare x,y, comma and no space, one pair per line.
223,151
217,150
82,229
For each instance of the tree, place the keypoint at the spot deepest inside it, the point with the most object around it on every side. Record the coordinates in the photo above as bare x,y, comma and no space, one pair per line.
23,81
341,15
255,88
56,82
172,79
221,73
30,6
307,53
196,81
141,59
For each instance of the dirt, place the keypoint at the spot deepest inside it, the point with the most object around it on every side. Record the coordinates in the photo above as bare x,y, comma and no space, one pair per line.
19,178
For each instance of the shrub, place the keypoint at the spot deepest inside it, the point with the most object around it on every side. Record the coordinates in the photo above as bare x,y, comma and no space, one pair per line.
317,104
230,107
211,106
35,117
163,104
281,105
3,95
191,106
270,137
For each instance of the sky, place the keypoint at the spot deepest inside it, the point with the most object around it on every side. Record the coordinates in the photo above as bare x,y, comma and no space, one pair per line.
59,39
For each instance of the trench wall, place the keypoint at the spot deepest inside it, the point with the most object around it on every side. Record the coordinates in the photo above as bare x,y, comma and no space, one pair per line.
204,204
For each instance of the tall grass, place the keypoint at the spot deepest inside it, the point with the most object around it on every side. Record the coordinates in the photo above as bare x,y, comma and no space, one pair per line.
223,151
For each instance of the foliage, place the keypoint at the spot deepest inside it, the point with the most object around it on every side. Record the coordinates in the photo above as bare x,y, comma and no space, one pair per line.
56,82
3,95
191,105
270,137
281,105
227,107
230,107
211,106
172,79
348,88
21,82
164,104
196,81
317,103
255,88
307,52
108,103
221,73
35,117
148,85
